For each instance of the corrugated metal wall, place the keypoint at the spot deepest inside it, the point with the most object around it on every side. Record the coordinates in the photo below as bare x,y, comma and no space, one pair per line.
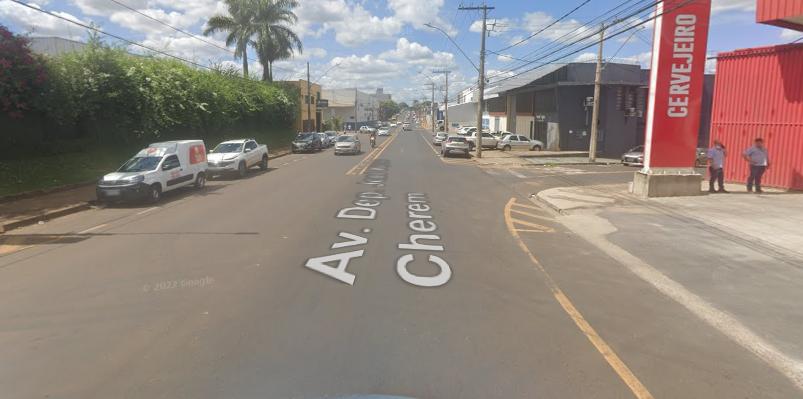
771,10
759,93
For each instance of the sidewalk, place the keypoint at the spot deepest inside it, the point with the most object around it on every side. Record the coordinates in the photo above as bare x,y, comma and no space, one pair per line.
734,260
30,209
538,158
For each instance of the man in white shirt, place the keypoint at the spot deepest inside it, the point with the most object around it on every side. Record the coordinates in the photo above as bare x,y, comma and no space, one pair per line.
716,163
759,162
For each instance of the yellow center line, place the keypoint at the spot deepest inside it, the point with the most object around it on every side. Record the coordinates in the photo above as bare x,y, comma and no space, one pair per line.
616,363
366,162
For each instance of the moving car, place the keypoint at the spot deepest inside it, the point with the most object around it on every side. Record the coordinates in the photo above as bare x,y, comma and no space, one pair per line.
634,156
439,138
306,142
456,144
406,126
326,142
159,168
383,132
347,144
488,140
237,156
515,142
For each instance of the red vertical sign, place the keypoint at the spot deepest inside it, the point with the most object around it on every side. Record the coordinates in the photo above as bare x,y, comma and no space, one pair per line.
676,83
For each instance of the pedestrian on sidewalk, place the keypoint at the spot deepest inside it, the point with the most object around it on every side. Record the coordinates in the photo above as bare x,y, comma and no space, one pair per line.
759,161
716,163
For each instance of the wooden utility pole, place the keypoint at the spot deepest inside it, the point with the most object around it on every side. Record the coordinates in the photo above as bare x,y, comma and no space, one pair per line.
481,78
309,99
446,73
592,145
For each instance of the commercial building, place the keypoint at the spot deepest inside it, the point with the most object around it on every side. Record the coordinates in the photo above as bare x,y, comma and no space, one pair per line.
759,93
554,105
308,118
352,107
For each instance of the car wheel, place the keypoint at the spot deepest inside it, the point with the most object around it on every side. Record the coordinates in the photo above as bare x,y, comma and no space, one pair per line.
536,148
200,181
506,148
241,169
155,194
264,164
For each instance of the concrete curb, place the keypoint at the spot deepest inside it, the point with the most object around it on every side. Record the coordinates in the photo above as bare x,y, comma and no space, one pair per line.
69,209
47,215
538,197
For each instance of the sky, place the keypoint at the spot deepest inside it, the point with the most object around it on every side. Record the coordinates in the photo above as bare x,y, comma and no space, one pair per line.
370,44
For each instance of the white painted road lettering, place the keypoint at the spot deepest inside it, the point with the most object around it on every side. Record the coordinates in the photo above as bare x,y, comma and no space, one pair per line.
338,272
417,208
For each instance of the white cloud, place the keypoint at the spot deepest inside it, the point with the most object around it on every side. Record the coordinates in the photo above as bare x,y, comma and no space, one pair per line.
417,54
188,48
788,34
586,57
495,27
718,6
419,12
644,59
504,58
40,24
535,21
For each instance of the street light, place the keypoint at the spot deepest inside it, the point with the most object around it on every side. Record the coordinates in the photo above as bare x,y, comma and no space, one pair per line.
455,44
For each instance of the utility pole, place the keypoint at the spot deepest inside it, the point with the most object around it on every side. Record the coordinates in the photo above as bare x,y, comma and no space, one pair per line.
481,78
432,106
446,73
592,145
309,96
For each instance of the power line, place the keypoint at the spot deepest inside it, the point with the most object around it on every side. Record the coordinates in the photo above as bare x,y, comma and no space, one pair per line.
582,39
564,16
611,13
92,28
598,41
171,26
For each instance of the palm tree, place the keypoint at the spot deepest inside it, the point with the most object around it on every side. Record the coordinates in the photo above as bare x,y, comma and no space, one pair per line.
239,25
274,39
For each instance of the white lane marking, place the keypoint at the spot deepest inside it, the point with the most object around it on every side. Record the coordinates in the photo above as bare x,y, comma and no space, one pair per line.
726,324
148,210
93,228
285,164
517,174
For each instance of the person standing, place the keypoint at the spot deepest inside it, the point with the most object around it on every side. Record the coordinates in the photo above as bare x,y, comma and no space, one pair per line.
759,161
716,163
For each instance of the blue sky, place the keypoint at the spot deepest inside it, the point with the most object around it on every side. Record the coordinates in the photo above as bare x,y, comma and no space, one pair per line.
371,44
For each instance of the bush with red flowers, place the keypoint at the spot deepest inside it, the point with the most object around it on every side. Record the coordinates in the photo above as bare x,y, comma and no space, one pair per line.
22,75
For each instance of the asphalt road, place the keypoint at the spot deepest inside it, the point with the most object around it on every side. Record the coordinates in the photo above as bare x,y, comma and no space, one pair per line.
297,283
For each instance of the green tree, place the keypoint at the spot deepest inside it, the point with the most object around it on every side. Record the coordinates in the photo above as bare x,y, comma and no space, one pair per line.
274,39
239,25
387,109
22,74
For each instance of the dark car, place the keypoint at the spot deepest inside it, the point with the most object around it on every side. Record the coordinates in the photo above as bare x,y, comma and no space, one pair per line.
306,142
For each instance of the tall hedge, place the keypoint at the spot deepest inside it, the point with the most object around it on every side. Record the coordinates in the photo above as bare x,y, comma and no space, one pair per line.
104,95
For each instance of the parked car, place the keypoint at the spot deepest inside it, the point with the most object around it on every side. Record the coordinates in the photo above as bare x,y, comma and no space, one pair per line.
634,156
383,132
488,140
464,130
457,144
326,142
332,136
306,142
439,138
516,142
237,156
347,144
159,168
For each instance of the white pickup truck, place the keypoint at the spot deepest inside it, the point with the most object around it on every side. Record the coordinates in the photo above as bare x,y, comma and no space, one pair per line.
237,156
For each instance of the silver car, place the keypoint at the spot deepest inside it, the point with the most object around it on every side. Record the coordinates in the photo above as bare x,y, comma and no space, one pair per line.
439,138
347,144
454,144
515,142
326,141
634,157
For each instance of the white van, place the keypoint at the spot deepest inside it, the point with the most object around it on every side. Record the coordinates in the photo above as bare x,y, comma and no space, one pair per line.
159,168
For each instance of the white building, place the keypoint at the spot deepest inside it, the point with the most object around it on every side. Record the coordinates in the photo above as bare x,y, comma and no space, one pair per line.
353,107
